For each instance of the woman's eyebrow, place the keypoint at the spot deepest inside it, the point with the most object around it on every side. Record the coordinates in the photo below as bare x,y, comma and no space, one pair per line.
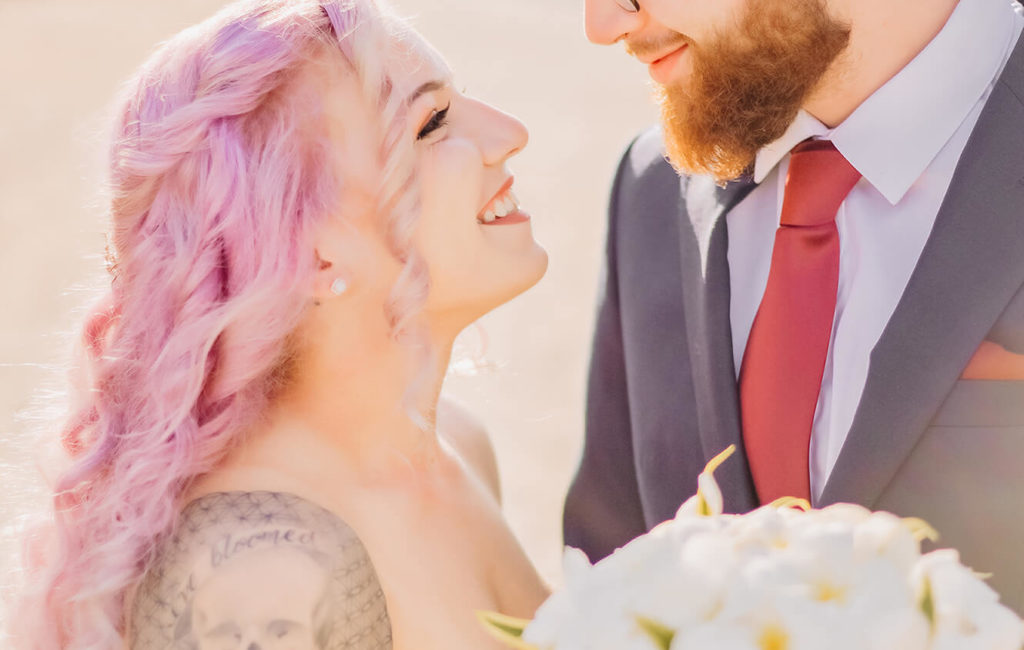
428,87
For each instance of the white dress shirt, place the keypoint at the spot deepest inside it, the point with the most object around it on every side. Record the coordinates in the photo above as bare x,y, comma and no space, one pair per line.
905,140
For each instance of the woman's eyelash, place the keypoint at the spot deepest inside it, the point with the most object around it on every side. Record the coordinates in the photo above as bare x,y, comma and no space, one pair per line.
437,120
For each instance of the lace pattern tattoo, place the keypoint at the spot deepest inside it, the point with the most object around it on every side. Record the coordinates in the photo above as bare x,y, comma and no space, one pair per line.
260,571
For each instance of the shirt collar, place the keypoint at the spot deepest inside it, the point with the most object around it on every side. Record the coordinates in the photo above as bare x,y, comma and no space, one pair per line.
893,136
804,126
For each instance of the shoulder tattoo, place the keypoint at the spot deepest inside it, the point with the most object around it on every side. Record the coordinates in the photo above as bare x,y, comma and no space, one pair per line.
259,571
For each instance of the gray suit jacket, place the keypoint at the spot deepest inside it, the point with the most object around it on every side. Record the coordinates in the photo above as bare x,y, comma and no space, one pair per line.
662,394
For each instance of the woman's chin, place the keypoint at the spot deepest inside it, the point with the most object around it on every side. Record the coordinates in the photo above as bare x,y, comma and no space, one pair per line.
529,269
510,279
521,275
513,269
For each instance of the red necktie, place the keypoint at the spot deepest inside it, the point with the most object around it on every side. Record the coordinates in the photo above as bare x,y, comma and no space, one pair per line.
785,357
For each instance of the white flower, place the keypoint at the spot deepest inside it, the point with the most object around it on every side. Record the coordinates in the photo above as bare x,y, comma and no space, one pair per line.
809,579
721,635
608,593
562,621
778,578
763,531
708,500
884,535
691,589
966,611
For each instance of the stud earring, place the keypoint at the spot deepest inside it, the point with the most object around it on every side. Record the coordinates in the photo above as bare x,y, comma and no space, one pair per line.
339,286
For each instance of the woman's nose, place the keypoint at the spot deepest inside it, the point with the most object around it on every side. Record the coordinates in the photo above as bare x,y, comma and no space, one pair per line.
607,22
503,137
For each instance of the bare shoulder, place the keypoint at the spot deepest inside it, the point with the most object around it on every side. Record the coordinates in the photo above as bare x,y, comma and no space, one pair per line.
259,570
470,439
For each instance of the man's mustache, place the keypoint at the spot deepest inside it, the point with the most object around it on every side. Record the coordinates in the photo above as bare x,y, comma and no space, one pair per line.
648,47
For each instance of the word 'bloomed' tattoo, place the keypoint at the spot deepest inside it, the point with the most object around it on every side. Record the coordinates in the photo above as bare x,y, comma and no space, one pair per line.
229,546
260,571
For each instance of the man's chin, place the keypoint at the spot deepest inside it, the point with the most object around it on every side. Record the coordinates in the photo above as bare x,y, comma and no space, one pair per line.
741,90
693,146
721,172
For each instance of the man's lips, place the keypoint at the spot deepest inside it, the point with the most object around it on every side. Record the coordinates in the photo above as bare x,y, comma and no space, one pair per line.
661,68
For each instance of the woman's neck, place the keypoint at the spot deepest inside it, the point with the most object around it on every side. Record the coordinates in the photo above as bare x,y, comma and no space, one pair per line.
368,402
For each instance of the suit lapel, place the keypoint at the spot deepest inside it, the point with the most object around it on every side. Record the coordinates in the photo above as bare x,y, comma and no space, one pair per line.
971,266
705,271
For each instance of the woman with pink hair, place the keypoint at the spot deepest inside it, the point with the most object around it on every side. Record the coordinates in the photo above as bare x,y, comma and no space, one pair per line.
304,214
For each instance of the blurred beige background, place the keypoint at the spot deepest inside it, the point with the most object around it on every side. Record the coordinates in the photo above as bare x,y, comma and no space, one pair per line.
60,63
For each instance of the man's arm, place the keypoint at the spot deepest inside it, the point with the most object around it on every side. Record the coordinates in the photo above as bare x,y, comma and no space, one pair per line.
603,509
257,569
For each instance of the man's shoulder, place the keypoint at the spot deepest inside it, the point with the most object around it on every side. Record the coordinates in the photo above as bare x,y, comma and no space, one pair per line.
265,561
645,179
645,156
647,149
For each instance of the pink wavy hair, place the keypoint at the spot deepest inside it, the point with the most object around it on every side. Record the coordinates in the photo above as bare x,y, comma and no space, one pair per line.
217,181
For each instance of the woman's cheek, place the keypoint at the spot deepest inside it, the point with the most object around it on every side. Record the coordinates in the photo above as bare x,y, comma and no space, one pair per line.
453,179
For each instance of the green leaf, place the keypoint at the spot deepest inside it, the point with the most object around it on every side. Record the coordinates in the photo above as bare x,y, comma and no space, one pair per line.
659,633
926,601
506,629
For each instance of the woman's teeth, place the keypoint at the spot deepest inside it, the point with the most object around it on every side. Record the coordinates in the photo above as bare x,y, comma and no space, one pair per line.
502,206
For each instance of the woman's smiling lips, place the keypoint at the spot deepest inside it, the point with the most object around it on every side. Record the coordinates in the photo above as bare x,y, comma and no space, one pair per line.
503,208
661,69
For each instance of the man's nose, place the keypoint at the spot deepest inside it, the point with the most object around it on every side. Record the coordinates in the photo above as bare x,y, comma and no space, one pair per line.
607,22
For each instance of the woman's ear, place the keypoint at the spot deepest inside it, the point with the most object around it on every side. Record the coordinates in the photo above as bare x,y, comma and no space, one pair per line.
352,259
336,248
331,282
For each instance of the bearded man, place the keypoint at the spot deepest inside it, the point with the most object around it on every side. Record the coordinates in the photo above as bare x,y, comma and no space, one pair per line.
826,272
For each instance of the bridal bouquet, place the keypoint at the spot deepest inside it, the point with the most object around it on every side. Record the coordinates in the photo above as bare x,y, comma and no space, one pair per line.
784,577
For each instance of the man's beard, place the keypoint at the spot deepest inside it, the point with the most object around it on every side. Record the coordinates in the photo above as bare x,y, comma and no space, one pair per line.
747,85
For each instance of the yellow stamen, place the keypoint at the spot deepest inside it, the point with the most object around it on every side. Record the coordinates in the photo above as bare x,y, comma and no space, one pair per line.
773,637
826,592
792,502
715,462
921,529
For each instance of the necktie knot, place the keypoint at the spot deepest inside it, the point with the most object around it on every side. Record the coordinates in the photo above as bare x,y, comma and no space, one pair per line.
817,183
